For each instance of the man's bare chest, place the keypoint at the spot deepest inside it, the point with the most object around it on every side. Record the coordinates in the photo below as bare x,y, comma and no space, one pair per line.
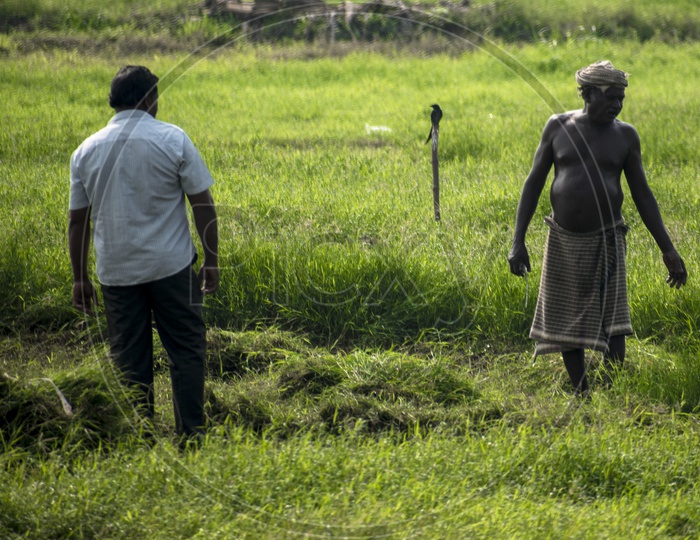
606,150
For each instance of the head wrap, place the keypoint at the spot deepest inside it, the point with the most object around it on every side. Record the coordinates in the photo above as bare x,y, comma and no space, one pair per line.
601,73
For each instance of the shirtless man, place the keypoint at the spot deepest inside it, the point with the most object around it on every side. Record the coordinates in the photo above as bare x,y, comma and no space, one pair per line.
582,302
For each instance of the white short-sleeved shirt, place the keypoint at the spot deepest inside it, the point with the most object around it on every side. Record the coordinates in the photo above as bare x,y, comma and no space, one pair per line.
134,173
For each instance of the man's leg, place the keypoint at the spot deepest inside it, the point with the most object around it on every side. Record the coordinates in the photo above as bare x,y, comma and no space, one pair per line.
129,330
614,358
177,306
575,364
616,350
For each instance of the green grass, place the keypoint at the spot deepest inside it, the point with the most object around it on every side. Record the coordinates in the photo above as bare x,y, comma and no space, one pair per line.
328,229
529,461
368,372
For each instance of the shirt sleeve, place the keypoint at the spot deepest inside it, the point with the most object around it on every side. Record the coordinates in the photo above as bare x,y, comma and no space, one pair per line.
78,196
194,174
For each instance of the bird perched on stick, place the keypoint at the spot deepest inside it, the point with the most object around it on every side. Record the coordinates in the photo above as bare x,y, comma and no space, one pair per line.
435,117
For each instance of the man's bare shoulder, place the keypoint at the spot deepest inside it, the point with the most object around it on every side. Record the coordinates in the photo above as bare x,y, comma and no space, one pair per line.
624,127
627,132
557,122
560,120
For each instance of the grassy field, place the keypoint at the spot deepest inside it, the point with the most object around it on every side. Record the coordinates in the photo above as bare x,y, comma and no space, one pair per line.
327,225
369,373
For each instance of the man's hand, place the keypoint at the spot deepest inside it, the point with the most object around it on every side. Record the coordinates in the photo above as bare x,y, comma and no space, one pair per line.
209,278
677,274
83,296
519,260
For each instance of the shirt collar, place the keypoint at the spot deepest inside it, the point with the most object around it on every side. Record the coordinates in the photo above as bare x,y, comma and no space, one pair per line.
128,114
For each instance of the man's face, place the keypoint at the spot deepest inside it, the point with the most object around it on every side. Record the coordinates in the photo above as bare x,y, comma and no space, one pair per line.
605,104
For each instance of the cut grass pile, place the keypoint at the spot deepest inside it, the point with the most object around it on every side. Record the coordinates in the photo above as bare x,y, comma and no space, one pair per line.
274,383
313,390
83,409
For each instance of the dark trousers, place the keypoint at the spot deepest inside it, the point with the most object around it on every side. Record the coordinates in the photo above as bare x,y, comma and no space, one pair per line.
175,303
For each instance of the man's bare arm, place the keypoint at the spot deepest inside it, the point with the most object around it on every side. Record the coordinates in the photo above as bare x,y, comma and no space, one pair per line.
649,211
79,249
518,258
205,221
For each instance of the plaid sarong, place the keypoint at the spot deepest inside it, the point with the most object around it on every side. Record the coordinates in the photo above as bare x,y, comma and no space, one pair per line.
582,300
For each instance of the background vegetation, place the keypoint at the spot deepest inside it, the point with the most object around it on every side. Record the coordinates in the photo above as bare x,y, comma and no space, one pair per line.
181,25
369,374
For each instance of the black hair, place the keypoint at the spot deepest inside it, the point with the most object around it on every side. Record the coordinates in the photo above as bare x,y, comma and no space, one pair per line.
584,91
131,85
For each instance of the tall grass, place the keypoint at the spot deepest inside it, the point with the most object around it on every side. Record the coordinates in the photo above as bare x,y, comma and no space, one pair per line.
326,227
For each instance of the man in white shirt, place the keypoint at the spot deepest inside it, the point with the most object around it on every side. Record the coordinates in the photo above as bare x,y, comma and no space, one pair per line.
130,180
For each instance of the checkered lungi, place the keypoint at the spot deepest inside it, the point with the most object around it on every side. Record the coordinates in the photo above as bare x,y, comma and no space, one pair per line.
582,300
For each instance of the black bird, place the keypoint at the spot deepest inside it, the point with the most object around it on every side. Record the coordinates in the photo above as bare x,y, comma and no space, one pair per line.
435,117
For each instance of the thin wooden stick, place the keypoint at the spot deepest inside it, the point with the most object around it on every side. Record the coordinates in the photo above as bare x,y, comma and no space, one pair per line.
436,175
